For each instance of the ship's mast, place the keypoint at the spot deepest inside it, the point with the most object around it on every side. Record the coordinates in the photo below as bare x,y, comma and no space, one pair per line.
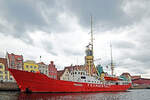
89,58
112,65
92,60
91,36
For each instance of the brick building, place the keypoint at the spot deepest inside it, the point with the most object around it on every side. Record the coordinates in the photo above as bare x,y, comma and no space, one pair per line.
15,61
52,70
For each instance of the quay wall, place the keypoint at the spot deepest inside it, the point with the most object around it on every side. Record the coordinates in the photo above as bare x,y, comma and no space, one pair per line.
9,86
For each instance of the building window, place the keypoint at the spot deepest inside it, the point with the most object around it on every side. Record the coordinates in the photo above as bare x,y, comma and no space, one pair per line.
12,63
54,76
1,77
19,58
30,66
1,72
32,71
1,66
27,66
6,77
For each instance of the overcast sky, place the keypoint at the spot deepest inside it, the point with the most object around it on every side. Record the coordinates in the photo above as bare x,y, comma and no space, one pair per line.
58,30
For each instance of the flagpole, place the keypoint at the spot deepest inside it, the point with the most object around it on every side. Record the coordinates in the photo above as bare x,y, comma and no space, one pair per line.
40,58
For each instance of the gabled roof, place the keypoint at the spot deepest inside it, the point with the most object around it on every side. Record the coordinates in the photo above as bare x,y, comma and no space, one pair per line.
60,73
76,67
124,74
42,63
70,68
17,57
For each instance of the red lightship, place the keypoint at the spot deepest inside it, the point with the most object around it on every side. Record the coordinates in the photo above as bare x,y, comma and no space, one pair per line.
87,78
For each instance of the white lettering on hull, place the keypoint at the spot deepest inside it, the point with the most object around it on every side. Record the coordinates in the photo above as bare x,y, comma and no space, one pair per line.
77,84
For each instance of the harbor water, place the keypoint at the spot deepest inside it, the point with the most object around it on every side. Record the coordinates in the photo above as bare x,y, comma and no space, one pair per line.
139,94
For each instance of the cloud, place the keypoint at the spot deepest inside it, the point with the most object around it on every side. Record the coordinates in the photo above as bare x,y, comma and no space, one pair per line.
123,44
21,17
106,13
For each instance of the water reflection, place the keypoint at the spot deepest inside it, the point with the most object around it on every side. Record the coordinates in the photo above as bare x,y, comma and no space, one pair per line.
9,95
142,94
70,96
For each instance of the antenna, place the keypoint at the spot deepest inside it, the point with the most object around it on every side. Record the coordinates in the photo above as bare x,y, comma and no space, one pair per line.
40,58
91,35
112,65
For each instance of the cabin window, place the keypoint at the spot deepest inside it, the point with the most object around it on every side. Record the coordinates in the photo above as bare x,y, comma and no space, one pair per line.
78,72
75,72
83,77
32,71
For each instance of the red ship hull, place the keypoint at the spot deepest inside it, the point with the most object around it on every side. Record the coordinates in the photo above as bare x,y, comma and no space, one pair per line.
36,82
